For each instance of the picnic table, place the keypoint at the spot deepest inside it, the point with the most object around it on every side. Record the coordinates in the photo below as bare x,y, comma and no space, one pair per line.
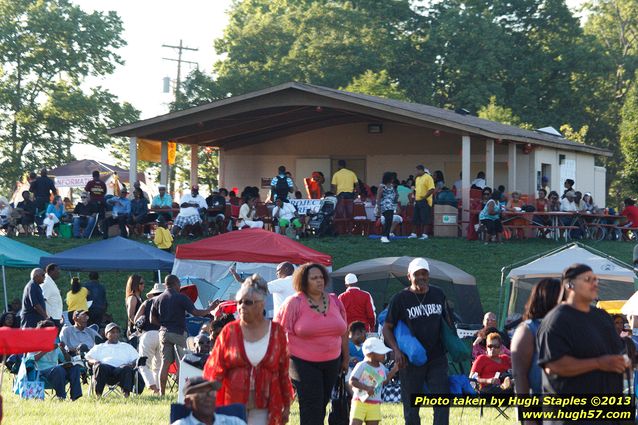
594,226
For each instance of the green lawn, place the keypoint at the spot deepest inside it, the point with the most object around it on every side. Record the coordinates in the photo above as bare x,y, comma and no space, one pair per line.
150,410
484,262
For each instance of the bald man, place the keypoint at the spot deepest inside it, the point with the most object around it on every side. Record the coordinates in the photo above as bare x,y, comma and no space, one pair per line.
281,288
33,305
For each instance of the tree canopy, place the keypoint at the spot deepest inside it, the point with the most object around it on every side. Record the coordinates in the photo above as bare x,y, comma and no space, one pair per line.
544,66
47,50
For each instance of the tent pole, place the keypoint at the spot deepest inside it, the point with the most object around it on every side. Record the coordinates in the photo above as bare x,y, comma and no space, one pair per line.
4,287
159,276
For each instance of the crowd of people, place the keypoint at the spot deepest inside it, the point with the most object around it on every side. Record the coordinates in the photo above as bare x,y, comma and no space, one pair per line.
562,345
43,210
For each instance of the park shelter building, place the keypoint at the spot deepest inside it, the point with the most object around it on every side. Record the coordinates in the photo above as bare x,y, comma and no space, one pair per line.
306,128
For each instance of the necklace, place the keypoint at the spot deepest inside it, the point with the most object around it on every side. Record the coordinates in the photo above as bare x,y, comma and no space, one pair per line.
316,306
417,297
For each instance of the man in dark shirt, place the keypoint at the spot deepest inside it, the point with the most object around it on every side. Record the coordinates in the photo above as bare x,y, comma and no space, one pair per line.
169,311
422,308
215,214
27,211
579,350
84,216
97,294
33,306
42,187
96,189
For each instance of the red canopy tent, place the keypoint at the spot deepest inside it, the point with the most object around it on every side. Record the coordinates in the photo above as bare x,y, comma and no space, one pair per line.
248,251
251,246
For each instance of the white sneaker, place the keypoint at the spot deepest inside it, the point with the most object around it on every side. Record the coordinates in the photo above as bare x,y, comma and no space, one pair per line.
392,235
412,236
384,239
423,237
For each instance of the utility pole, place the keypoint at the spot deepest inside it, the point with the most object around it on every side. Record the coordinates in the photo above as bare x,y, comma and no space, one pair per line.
179,61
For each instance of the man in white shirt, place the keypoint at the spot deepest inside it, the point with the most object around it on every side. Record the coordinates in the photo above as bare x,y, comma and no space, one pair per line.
479,181
281,288
194,198
286,214
199,398
51,293
567,204
189,213
113,362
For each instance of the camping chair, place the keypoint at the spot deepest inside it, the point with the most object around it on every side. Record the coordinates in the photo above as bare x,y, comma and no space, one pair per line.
360,223
138,383
173,370
180,411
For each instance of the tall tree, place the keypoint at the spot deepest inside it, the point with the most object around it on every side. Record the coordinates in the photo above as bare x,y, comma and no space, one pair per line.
47,49
629,139
324,42
376,84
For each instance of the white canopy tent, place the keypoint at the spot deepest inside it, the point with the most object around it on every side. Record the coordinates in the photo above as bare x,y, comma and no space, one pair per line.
616,279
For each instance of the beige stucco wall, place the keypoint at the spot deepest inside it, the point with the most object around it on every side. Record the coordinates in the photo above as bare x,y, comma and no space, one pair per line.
399,148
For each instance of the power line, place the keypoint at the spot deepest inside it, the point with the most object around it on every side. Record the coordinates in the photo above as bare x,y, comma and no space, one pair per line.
180,50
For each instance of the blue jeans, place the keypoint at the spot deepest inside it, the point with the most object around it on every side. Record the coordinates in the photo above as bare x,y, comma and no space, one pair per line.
86,222
432,375
57,377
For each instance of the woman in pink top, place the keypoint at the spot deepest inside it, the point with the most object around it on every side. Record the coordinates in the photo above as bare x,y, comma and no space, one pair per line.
316,326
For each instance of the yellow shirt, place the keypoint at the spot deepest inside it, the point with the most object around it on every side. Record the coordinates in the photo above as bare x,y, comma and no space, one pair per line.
345,180
422,185
163,238
77,301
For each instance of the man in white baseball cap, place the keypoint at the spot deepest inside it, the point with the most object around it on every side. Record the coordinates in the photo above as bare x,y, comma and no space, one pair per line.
422,308
358,303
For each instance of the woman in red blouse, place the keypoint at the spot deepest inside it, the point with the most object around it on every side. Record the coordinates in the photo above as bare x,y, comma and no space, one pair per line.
250,358
316,325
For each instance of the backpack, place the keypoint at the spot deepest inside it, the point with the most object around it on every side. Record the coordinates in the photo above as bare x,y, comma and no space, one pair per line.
281,187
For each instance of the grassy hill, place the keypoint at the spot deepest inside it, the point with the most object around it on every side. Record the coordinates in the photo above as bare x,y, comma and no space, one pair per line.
483,262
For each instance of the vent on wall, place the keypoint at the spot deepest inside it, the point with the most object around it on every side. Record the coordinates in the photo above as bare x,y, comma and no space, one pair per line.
551,131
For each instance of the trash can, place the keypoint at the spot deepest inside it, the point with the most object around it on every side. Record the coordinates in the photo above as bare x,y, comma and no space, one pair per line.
446,221
65,230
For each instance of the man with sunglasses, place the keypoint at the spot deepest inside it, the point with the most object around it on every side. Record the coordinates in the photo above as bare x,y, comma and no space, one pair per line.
579,349
84,217
169,312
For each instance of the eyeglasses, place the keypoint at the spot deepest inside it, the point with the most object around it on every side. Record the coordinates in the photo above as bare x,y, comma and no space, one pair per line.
494,346
248,302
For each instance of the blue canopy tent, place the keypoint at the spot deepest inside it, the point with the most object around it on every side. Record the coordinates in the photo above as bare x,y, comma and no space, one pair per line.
114,254
18,255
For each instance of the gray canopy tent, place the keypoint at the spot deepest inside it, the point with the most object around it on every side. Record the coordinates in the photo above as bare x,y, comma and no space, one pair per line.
617,279
384,277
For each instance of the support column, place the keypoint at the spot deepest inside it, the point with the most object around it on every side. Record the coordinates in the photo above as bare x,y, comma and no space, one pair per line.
194,164
465,180
164,162
489,162
132,148
511,167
